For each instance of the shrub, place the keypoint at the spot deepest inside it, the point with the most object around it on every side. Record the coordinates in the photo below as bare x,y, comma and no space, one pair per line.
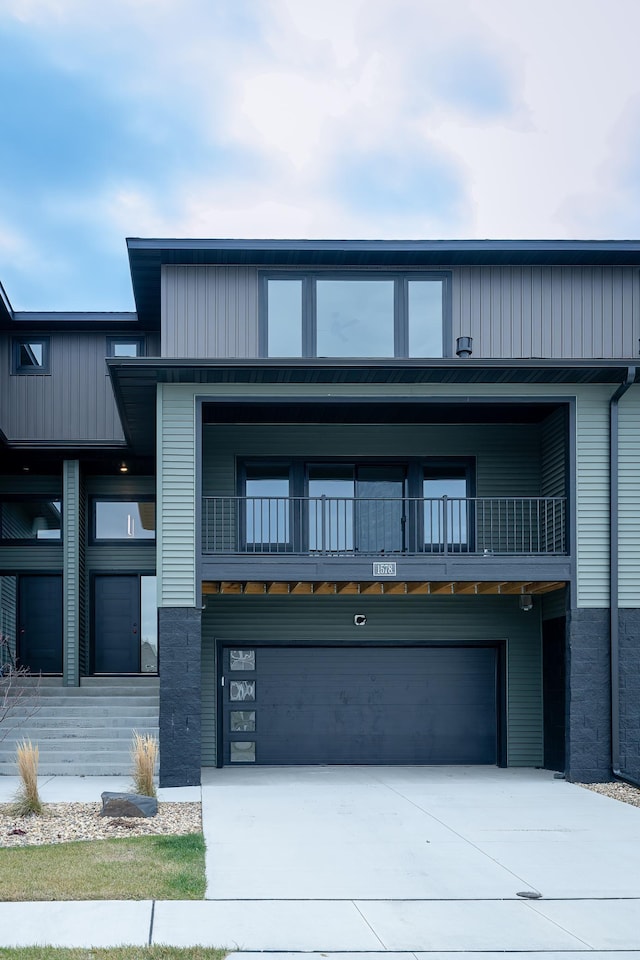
27,799
144,753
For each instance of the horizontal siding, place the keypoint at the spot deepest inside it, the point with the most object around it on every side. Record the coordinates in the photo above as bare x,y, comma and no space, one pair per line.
72,581
592,453
580,312
629,496
393,619
176,509
209,311
508,458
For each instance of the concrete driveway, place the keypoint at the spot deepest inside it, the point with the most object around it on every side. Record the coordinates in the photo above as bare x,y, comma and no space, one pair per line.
419,858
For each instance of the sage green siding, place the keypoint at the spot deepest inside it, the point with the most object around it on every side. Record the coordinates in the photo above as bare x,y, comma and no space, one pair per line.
629,499
176,466
176,496
394,619
507,457
73,550
561,311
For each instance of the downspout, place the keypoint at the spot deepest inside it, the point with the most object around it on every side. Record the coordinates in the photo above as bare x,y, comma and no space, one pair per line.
614,576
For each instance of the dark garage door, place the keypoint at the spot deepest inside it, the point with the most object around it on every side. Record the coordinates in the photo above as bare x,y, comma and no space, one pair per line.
295,705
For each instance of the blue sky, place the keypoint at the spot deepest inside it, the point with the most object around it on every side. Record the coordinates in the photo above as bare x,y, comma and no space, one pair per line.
297,118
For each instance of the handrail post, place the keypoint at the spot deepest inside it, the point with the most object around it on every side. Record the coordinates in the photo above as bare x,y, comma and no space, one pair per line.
445,531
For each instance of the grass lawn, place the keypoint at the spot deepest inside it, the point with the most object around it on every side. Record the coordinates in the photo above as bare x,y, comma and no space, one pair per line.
132,868
116,953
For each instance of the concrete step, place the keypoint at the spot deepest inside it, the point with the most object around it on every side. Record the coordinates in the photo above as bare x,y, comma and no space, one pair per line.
68,745
48,733
85,703
53,720
76,768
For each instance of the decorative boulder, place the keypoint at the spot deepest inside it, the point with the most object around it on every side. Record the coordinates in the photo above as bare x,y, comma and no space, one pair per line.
128,805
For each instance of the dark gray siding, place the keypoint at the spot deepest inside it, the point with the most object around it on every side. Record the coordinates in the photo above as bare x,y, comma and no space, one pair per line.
43,557
586,312
393,619
73,403
209,312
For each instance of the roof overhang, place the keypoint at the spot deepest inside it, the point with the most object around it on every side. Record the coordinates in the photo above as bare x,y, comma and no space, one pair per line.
147,256
135,380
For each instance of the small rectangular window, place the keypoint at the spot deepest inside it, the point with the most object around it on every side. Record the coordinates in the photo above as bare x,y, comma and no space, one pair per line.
30,355
284,305
425,318
125,347
125,520
30,520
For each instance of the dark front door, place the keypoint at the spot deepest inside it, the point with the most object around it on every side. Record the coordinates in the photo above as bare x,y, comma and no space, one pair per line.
295,705
40,623
116,634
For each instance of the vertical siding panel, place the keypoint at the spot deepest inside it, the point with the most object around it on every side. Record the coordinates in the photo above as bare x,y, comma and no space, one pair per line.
72,579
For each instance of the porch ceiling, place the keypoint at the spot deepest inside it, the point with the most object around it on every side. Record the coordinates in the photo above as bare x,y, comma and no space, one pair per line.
401,587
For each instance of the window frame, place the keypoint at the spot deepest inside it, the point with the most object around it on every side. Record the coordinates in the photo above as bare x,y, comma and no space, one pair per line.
415,470
18,369
138,341
94,540
309,279
31,498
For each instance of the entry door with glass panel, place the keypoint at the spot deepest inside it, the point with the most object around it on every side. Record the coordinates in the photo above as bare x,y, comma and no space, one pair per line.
125,627
356,508
447,511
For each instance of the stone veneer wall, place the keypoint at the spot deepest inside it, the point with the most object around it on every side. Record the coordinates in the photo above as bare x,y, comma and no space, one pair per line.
180,706
588,696
629,639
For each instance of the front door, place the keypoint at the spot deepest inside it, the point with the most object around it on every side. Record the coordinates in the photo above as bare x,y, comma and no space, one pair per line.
40,623
116,646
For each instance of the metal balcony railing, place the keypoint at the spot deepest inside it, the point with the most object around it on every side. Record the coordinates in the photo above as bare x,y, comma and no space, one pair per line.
351,526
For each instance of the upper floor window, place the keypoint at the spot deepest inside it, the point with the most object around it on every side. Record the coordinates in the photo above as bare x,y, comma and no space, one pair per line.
30,519
124,520
125,346
30,355
355,315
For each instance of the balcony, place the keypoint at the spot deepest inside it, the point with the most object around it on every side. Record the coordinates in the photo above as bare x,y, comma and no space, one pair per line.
345,527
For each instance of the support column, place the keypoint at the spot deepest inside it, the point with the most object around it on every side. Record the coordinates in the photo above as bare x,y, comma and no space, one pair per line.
588,696
73,530
179,644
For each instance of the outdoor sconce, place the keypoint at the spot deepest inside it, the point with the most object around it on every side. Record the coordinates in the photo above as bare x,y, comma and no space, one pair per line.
526,601
360,619
123,468
464,346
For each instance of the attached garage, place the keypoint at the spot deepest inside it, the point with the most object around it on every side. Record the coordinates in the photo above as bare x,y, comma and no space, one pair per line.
368,704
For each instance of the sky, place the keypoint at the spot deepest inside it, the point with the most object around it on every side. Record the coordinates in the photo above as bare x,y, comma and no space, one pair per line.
339,119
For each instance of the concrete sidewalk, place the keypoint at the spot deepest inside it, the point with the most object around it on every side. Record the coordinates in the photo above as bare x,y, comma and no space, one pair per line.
393,862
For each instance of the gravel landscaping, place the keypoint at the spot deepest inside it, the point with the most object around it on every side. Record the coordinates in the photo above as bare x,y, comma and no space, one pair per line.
616,790
62,822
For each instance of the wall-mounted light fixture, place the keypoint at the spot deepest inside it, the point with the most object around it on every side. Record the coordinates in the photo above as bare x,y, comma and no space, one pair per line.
526,601
464,346
360,619
123,468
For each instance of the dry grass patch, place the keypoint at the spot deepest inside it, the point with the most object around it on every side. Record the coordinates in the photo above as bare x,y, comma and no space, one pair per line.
27,798
144,753
114,953
135,868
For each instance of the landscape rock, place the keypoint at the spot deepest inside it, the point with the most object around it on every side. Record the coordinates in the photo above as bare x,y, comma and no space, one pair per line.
128,805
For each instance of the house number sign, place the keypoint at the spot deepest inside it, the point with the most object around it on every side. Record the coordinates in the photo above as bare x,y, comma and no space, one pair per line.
384,570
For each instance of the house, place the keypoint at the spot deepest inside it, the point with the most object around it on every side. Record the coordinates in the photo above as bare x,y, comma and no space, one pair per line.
383,495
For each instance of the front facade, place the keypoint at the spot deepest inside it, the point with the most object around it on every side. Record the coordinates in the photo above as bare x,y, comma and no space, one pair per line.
354,502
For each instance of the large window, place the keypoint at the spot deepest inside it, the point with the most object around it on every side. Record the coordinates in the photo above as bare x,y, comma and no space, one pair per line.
30,519
356,507
355,315
124,520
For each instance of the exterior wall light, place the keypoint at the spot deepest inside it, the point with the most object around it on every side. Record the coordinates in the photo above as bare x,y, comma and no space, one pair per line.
526,601
464,346
360,619
123,468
